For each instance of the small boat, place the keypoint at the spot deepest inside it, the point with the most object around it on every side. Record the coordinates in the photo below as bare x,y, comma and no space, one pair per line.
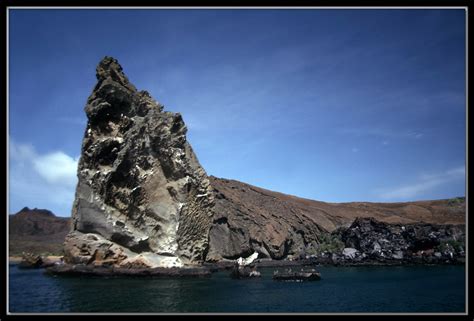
289,275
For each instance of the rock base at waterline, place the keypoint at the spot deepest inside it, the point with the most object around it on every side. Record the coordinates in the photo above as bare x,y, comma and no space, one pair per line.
75,270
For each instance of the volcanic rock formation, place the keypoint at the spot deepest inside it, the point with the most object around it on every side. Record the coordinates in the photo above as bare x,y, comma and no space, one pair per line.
142,199
370,240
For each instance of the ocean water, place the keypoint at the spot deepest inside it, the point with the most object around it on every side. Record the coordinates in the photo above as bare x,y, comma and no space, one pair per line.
342,289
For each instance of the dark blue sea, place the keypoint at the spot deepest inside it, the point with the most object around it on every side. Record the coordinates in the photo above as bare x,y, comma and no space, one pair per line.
342,289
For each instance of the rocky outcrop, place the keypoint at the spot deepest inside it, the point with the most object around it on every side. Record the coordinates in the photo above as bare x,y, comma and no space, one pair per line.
30,261
142,198
34,261
244,272
370,240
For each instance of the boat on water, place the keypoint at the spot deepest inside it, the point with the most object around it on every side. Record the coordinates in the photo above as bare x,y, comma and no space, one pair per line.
289,275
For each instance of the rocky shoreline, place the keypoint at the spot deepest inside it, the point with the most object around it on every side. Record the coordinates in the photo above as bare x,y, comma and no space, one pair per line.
88,270
33,261
366,242
370,242
56,266
208,269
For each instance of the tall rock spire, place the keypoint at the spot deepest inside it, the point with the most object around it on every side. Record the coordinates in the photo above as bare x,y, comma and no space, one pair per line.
142,198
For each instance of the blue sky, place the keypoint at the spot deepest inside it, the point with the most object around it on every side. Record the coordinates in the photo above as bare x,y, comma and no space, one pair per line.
333,105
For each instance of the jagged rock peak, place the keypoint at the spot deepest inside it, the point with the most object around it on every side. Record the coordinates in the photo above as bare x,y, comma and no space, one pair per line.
109,67
142,197
114,96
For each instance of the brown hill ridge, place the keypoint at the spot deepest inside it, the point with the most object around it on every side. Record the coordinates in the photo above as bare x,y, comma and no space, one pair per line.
333,215
249,218
38,231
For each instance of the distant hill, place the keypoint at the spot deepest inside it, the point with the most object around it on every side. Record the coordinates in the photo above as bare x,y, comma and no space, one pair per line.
38,231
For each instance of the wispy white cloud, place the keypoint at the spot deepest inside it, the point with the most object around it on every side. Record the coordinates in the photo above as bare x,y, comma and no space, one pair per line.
41,180
426,182
56,168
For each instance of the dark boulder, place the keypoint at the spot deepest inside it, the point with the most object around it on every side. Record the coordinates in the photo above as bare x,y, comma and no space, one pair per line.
30,261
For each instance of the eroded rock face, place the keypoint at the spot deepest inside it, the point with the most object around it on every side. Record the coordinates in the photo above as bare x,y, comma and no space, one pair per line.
142,197
247,219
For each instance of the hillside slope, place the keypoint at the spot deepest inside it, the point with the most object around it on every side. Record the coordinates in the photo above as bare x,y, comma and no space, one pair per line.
249,218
